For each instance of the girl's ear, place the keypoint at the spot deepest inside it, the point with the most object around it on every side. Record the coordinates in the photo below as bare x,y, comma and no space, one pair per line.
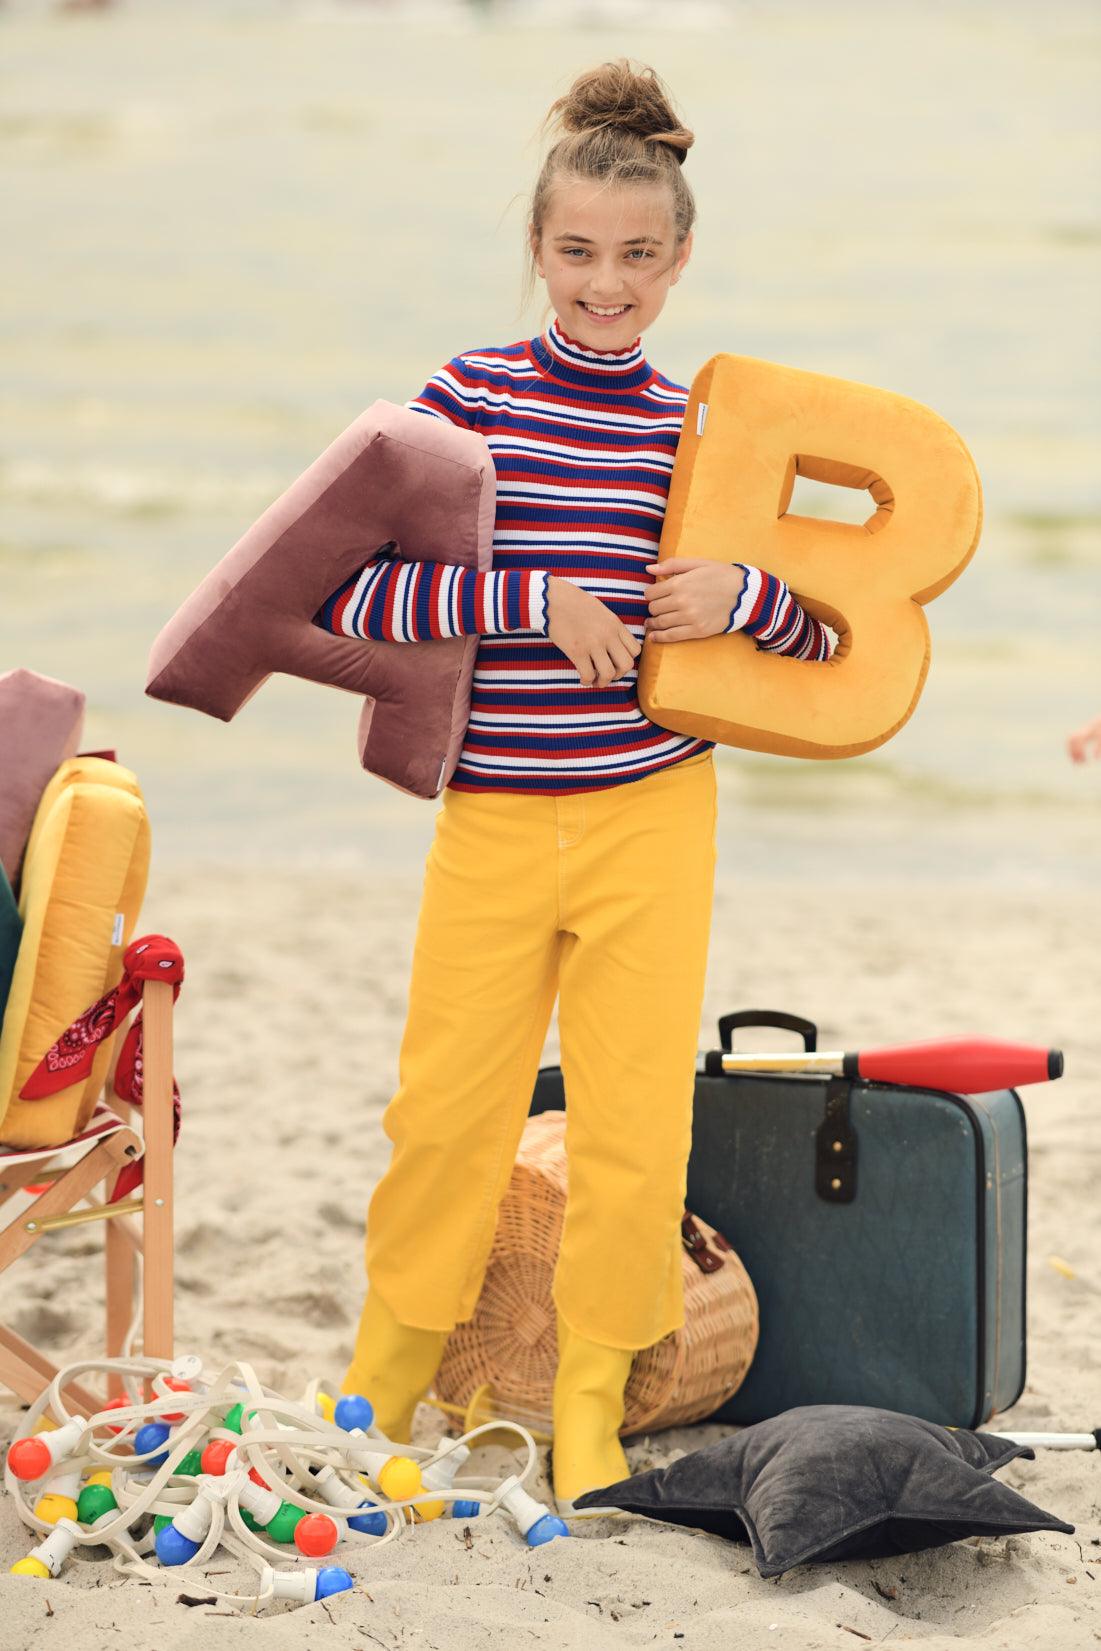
683,256
533,242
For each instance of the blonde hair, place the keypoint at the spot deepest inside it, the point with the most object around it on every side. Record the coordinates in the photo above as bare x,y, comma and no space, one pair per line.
618,126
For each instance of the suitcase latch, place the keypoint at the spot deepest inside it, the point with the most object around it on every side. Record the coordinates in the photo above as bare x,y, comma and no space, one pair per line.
835,1155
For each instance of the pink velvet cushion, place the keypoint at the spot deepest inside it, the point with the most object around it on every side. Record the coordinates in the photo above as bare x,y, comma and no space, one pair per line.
393,475
40,725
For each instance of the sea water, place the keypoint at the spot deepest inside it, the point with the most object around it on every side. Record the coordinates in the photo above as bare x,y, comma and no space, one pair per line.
231,227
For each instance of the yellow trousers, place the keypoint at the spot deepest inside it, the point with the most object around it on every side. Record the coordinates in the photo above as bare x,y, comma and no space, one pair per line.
605,899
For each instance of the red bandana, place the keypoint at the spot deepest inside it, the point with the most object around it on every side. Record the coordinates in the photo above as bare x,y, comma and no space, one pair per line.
153,957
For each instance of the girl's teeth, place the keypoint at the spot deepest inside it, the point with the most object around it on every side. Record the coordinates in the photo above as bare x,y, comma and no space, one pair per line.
622,310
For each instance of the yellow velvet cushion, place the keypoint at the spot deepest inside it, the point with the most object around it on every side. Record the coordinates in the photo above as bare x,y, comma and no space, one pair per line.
84,877
750,428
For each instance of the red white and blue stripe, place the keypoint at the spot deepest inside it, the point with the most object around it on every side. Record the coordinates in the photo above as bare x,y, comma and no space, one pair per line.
583,444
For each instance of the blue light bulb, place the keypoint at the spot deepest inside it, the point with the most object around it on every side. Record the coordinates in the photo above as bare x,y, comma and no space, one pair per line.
465,1510
353,1410
174,1548
371,1524
546,1529
148,1438
332,1579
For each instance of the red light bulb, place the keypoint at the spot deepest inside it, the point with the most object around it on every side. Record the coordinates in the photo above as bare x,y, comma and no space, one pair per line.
116,1404
31,1458
315,1535
216,1455
177,1386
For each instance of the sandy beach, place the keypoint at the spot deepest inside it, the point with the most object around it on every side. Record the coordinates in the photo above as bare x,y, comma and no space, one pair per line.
286,1056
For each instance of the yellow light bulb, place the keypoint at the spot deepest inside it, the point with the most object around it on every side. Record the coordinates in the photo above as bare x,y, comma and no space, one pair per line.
30,1567
399,1478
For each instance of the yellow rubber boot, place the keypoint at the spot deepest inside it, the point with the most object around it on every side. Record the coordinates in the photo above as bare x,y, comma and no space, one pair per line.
588,1413
393,1365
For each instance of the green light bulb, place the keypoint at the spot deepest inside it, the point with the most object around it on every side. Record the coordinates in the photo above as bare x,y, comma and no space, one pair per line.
282,1527
95,1500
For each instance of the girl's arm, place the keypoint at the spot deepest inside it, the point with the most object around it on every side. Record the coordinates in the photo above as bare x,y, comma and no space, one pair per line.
689,598
768,612
391,600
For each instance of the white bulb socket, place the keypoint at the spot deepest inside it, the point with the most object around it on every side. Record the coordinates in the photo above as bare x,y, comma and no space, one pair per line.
57,1547
193,1521
523,1508
261,1503
297,1585
441,1475
63,1441
332,1489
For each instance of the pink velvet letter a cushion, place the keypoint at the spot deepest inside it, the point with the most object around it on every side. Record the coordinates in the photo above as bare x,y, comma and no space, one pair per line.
40,725
393,475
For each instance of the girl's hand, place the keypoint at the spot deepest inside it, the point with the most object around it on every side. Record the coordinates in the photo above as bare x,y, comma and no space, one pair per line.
691,598
1086,742
589,634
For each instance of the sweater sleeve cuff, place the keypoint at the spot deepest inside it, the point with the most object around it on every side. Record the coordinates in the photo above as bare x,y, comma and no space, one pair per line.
752,579
539,602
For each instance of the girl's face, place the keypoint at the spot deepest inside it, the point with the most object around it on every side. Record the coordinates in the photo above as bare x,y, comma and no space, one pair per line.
608,249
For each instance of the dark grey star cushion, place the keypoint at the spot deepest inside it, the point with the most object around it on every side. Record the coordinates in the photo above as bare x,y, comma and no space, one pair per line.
825,1482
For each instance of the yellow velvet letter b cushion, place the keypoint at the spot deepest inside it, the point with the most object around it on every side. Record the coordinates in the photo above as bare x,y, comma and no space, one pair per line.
749,429
84,876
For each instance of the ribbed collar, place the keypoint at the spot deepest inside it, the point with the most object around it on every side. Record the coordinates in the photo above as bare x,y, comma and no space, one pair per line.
563,358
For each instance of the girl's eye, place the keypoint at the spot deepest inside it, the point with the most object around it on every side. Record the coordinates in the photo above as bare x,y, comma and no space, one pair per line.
646,253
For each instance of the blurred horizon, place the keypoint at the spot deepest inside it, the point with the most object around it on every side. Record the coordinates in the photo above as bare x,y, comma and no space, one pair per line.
232,229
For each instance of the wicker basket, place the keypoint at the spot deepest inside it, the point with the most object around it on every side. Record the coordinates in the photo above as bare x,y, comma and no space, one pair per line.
511,1341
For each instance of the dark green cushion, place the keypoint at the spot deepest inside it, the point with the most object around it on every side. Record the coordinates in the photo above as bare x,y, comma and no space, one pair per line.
11,932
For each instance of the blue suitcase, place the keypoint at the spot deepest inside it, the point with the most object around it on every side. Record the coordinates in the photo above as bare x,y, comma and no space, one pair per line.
883,1227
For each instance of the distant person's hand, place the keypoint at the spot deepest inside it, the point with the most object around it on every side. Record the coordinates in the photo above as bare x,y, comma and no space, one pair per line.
589,634
1086,742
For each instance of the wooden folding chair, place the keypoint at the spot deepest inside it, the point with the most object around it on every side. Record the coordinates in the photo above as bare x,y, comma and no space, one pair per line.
141,1225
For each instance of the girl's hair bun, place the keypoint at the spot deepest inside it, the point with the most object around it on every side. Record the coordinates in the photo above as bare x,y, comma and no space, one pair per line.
632,100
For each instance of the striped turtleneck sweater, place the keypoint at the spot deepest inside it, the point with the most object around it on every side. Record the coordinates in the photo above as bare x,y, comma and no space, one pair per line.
583,443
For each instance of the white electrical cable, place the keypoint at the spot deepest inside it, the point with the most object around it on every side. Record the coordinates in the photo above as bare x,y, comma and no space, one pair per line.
280,1439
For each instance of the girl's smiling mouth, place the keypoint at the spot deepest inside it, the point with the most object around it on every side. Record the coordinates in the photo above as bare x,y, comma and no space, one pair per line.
605,312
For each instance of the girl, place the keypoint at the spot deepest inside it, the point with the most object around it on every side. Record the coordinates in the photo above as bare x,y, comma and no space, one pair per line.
574,850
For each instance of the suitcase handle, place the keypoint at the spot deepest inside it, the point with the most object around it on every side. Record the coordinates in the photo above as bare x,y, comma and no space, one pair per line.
729,1024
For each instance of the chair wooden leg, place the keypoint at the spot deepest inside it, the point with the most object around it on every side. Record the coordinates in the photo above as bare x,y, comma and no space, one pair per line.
27,1371
157,1282
120,1273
